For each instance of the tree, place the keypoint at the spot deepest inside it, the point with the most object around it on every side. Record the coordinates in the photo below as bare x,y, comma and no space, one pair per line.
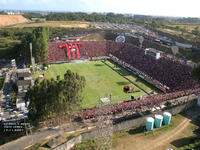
196,31
38,38
55,98
25,50
40,45
196,72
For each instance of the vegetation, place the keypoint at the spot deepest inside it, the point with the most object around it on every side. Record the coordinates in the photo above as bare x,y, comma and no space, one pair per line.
55,98
45,64
33,15
94,17
100,143
38,38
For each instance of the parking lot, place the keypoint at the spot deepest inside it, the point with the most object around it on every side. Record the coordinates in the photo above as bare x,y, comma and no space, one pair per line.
7,112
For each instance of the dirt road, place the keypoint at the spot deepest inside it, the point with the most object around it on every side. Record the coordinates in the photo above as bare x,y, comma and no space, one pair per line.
161,142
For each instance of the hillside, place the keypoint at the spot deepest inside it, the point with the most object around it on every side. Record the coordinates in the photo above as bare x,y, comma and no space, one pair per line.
6,20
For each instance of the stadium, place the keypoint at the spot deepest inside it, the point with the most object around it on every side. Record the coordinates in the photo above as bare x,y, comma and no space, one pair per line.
160,79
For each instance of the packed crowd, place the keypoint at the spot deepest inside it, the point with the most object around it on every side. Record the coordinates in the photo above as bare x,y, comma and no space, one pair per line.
93,49
54,53
173,74
135,106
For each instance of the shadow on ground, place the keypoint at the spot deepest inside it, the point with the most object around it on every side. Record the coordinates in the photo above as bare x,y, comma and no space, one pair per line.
183,142
122,83
99,65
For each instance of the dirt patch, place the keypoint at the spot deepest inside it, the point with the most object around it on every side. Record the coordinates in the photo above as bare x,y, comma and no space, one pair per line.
6,20
74,25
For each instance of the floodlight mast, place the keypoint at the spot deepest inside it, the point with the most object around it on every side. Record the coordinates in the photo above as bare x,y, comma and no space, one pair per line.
141,39
31,50
32,58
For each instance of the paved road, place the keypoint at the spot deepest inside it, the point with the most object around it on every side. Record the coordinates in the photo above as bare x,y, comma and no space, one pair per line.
38,136
6,91
25,141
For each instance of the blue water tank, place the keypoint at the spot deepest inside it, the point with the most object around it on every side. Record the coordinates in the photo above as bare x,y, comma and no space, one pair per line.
149,123
158,121
166,118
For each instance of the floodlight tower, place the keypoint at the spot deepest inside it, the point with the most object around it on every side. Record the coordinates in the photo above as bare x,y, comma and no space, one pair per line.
32,58
141,40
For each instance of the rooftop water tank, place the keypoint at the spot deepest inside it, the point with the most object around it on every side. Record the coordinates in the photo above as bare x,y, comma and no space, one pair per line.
149,123
167,118
158,121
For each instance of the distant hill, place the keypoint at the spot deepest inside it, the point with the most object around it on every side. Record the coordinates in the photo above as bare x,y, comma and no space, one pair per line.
6,20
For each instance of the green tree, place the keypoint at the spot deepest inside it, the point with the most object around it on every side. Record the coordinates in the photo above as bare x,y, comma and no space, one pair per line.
38,38
196,31
56,98
40,45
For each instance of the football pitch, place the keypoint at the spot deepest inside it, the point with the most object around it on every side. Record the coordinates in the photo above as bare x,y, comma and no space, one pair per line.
101,81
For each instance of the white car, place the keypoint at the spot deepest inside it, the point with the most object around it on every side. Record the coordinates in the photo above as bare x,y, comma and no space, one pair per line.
20,115
12,116
15,112
8,95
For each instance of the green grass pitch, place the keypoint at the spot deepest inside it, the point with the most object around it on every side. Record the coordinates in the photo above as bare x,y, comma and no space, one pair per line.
101,81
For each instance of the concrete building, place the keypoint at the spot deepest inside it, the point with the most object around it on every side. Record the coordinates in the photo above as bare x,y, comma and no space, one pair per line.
23,82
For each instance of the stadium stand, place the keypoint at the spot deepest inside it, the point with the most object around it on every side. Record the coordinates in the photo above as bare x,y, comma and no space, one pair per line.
172,77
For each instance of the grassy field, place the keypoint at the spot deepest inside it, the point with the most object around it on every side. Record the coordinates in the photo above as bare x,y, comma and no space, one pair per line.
141,83
65,24
101,81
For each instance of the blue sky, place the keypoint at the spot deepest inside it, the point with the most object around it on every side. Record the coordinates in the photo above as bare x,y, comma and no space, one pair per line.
186,8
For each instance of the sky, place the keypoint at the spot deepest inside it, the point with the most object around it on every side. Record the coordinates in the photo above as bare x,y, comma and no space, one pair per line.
176,8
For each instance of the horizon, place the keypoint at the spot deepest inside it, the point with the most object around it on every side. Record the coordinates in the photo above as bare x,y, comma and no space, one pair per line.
150,8
57,11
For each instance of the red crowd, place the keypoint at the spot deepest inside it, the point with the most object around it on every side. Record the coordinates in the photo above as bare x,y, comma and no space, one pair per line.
136,105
